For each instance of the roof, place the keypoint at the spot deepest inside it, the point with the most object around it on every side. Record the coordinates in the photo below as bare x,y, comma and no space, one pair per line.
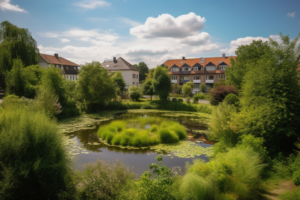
60,61
121,64
192,61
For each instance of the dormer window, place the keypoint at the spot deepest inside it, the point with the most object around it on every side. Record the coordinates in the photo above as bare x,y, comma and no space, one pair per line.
210,68
197,68
222,67
174,69
185,69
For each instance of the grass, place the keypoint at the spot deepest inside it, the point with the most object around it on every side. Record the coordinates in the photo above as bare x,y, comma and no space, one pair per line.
142,132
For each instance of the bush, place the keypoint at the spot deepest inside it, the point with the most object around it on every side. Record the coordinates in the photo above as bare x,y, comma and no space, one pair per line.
174,99
291,195
102,180
188,100
179,100
296,177
231,99
134,93
203,87
220,92
167,136
33,161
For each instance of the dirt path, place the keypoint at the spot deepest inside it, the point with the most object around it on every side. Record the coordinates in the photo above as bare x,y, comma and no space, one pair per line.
282,187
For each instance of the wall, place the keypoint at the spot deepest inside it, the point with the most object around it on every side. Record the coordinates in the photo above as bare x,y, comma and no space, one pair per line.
42,62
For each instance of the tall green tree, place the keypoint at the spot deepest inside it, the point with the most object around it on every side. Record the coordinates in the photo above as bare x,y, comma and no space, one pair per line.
15,43
95,85
148,87
163,86
143,68
118,78
270,96
244,55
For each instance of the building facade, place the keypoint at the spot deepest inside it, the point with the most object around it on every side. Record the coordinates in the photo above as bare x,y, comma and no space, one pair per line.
68,69
130,73
198,70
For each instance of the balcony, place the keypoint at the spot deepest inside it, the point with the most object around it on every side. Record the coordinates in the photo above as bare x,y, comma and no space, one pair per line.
210,81
196,81
184,81
173,81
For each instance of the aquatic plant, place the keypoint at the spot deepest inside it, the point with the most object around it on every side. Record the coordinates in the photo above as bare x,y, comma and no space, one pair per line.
142,132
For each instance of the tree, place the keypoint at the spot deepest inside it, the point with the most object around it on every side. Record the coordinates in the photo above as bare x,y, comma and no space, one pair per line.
220,82
149,75
219,93
270,95
245,53
187,87
134,92
163,86
118,78
143,68
95,85
148,87
16,43
203,87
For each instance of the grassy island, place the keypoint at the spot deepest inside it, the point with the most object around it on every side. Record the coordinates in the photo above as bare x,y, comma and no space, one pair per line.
142,132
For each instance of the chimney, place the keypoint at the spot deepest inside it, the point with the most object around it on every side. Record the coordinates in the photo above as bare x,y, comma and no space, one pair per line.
115,60
223,55
56,55
183,58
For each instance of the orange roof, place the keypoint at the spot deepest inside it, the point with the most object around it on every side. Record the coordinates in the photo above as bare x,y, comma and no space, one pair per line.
191,62
60,61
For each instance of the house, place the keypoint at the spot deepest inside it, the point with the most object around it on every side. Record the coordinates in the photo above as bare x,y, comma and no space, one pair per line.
68,68
198,70
130,73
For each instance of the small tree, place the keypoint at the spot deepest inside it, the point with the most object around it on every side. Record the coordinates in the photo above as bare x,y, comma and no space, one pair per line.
143,70
163,86
187,88
134,93
148,87
203,87
118,78
174,88
220,82
220,92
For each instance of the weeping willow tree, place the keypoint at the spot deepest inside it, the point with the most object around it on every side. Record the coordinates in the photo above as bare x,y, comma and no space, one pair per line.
15,43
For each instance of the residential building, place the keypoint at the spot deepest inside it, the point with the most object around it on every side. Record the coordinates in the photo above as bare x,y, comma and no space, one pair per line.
130,73
68,69
198,70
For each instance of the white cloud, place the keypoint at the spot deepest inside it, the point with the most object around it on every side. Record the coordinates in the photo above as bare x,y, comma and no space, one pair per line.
129,21
48,34
64,40
145,51
87,35
195,40
166,25
292,15
92,4
205,48
5,5
234,44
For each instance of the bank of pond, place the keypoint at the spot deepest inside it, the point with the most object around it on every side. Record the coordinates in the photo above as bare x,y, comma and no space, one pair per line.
136,137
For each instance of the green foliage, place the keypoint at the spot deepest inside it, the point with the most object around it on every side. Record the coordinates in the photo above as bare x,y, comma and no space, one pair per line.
135,132
296,177
118,78
163,86
218,93
269,96
102,180
203,87
291,195
33,161
187,87
188,100
134,92
16,43
148,87
231,99
53,82
174,99
220,82
234,173
176,89
143,68
95,86
198,96
179,100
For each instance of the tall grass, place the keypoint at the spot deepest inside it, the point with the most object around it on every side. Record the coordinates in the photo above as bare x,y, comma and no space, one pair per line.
33,161
140,132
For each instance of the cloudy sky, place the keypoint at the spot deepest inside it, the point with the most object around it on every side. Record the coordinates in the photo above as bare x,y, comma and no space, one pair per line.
152,31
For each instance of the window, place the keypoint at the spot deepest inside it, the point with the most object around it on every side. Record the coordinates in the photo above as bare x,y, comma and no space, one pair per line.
202,60
222,67
197,77
210,68
173,77
133,83
67,77
222,77
186,78
174,69
184,69
209,77
133,75
197,85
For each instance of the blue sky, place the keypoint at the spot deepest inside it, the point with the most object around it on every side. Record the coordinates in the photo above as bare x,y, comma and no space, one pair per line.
150,31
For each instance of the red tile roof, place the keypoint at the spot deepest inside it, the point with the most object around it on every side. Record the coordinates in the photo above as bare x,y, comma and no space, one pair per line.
192,61
60,61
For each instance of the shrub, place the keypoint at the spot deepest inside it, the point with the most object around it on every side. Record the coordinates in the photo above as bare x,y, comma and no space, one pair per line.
198,96
296,177
220,92
174,99
102,180
188,100
134,93
167,136
231,99
33,161
203,87
180,100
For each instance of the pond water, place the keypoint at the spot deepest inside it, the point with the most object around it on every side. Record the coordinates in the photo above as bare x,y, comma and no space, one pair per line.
85,147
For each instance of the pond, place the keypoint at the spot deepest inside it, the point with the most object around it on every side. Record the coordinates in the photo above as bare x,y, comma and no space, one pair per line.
84,146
